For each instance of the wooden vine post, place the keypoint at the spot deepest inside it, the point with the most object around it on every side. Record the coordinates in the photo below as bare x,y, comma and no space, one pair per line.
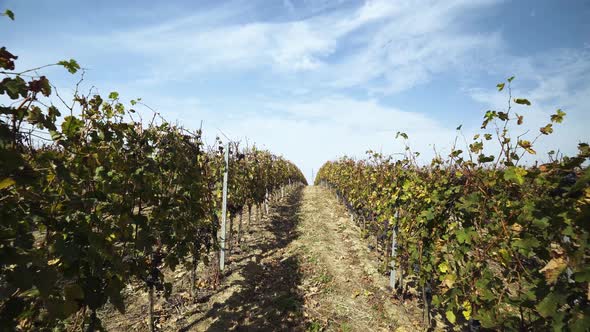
224,211
392,275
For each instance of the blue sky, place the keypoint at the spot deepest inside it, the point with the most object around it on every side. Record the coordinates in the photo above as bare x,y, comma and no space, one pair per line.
314,80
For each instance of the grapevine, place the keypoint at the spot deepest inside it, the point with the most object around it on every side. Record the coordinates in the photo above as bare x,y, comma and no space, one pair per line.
486,241
96,200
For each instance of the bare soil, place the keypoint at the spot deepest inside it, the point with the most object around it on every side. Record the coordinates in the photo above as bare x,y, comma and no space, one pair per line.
302,267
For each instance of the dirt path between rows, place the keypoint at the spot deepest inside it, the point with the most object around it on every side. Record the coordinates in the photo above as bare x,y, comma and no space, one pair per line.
344,290
303,267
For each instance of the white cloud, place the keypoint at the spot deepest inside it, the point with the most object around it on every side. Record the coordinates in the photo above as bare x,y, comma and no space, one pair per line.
417,41
310,132
405,39
198,45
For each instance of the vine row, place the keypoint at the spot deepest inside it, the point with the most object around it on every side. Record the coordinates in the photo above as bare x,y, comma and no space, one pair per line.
97,199
485,241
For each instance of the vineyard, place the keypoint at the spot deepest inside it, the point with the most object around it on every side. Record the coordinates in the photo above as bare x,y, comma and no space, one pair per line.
483,242
103,199
113,222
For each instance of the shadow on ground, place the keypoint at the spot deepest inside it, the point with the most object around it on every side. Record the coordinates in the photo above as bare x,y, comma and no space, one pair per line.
267,299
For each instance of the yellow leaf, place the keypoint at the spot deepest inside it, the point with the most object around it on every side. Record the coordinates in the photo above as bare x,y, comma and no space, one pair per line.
53,261
443,267
449,280
467,310
6,182
553,269
516,228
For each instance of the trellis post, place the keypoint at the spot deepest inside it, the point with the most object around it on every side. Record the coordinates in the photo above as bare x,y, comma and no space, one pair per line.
392,275
224,211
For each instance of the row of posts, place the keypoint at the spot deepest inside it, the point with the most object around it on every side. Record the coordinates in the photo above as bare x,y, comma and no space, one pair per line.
224,209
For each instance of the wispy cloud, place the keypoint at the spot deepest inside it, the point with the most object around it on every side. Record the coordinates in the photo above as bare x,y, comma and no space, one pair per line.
417,41
312,131
404,43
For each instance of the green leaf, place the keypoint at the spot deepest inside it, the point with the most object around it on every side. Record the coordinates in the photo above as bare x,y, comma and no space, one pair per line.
6,59
500,86
99,174
482,158
510,79
34,115
581,323
443,267
459,128
462,236
582,182
558,324
526,244
515,174
428,214
404,135
549,305
72,66
9,13
113,95
522,101
489,116
455,153
558,116
14,87
450,316
476,147
548,129
541,223
71,126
